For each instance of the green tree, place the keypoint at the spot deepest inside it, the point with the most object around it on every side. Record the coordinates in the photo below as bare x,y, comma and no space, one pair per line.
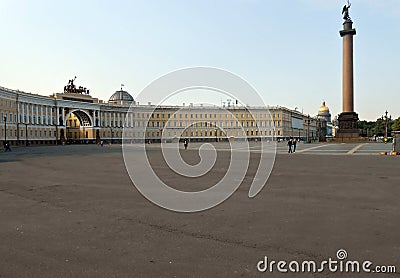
366,128
396,124
379,127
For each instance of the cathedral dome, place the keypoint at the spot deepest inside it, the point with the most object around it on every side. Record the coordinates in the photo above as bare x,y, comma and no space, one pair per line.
324,113
323,108
121,97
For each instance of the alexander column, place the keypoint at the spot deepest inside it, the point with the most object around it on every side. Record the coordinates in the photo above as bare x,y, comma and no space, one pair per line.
348,118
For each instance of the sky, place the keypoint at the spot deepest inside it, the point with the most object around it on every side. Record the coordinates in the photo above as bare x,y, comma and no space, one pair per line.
290,51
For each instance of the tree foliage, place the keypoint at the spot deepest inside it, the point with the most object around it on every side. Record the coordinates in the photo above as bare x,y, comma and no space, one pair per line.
378,127
396,124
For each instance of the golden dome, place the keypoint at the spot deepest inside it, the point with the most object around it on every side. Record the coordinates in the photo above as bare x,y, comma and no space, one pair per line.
323,108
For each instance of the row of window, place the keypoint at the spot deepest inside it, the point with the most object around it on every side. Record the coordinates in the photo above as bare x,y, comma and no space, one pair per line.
209,116
10,117
186,115
192,133
33,133
8,103
52,133
199,124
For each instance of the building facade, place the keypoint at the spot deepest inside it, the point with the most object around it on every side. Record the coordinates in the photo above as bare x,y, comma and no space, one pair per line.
325,122
74,116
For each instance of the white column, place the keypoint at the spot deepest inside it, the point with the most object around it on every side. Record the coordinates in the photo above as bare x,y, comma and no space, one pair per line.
37,114
94,117
131,119
63,116
57,115
32,121
41,115
47,115
113,123
22,113
19,113
27,113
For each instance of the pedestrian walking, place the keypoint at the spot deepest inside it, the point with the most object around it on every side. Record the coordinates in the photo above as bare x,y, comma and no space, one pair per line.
7,147
294,143
185,144
290,146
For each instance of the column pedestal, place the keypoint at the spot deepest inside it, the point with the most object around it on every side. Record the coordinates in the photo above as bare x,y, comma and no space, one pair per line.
348,125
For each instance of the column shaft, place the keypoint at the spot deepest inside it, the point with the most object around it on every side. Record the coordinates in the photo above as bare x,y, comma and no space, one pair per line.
348,78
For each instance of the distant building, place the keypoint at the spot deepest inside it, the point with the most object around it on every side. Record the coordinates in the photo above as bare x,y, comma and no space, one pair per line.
74,116
324,122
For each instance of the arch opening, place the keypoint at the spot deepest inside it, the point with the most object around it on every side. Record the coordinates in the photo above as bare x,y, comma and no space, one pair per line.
78,126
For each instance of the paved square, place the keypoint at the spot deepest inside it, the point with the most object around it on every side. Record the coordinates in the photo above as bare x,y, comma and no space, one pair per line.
72,211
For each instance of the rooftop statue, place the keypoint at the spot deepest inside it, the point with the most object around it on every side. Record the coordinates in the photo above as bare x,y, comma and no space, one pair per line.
345,11
72,89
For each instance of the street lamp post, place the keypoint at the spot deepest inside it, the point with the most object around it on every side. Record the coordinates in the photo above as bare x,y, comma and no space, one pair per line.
308,128
18,119
386,118
291,121
5,130
26,135
55,118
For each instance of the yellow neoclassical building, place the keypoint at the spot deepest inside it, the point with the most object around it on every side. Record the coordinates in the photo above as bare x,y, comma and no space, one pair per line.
74,116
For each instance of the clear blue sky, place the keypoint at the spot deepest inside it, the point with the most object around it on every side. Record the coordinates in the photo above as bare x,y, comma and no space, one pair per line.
289,50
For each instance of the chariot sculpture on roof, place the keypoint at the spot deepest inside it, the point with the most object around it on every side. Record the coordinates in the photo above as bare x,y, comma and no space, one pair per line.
72,89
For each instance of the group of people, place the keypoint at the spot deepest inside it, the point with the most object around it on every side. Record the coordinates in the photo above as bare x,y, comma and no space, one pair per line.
292,143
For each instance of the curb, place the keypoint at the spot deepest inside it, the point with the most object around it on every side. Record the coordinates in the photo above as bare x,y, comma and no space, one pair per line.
389,153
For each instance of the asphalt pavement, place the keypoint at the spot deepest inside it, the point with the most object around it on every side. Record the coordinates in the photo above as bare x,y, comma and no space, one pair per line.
72,211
